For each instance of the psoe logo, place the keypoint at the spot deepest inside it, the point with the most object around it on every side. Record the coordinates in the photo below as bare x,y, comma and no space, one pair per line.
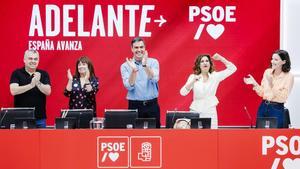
129,152
217,14
282,146
146,151
113,152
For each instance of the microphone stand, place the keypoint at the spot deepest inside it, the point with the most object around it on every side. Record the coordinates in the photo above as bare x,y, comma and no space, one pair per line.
2,118
249,116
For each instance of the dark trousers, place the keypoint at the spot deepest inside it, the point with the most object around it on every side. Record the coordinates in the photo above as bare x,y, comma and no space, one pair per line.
272,109
146,109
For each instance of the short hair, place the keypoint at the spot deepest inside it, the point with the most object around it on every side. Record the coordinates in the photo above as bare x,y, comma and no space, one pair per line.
85,59
30,52
196,67
137,39
284,55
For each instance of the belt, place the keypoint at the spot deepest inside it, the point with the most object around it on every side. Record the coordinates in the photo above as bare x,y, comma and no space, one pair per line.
144,102
270,102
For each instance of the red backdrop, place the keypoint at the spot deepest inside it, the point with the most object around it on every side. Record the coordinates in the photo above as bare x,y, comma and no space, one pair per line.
251,34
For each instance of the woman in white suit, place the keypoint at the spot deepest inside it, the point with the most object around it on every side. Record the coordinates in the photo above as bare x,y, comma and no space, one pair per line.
204,82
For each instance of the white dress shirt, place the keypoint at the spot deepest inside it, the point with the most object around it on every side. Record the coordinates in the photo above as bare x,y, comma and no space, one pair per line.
143,88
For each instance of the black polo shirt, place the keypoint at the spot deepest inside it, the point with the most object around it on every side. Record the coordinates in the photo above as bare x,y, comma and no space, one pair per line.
33,97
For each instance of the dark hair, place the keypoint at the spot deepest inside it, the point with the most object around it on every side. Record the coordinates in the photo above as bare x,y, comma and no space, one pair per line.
196,67
85,59
137,39
284,55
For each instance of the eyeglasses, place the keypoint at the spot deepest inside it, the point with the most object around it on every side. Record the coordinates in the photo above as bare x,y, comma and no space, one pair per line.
31,59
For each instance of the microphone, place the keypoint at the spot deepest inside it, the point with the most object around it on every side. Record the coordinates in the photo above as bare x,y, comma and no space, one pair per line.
249,116
65,113
2,118
173,117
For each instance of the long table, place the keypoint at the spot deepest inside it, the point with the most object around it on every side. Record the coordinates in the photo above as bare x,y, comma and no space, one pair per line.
150,148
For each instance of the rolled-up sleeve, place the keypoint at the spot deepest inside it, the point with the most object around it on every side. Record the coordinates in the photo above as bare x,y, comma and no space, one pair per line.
125,73
155,68
259,89
280,89
183,90
230,69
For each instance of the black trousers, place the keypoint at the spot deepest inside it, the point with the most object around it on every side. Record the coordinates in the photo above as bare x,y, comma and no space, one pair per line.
146,109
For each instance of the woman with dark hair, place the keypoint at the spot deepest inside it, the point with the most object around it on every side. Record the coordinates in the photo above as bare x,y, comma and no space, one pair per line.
83,86
275,86
204,81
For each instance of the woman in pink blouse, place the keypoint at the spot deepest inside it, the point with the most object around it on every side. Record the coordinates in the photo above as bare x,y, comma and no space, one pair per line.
275,86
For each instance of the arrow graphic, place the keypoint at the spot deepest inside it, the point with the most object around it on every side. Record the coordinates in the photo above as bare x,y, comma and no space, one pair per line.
161,21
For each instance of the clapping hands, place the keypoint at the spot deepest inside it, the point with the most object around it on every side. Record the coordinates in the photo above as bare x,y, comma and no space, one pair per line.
36,78
87,75
250,80
69,75
131,64
145,58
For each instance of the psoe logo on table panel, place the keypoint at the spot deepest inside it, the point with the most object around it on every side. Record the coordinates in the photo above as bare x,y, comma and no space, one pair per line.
287,150
129,152
113,152
146,152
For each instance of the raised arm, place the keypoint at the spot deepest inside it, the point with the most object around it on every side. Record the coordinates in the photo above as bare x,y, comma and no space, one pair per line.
230,67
